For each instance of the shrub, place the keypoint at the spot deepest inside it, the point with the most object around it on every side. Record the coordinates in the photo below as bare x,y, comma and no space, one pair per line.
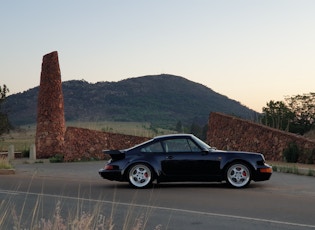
311,172
26,153
58,158
4,163
291,153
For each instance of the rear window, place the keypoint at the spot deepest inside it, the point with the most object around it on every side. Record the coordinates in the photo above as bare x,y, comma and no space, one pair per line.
155,147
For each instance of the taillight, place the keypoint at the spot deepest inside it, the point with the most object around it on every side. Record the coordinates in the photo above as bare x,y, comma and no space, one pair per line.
109,167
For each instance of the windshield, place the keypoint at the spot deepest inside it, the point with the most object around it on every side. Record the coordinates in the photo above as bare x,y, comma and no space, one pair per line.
201,143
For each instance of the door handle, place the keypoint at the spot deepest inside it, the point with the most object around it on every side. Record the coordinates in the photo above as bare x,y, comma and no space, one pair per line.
169,157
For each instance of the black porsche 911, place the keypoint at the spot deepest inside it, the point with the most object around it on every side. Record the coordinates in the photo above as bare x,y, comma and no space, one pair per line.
183,157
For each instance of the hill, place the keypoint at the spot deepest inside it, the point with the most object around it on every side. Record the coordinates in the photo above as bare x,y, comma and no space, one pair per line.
162,100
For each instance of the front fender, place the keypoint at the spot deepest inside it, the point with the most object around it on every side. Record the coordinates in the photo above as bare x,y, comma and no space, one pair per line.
225,164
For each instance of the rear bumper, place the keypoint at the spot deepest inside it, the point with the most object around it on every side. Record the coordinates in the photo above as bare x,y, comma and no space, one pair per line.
111,174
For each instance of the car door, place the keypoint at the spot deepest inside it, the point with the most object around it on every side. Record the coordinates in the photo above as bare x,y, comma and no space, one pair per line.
185,159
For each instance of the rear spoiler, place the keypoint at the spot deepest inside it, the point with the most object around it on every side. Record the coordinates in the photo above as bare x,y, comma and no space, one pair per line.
115,154
112,151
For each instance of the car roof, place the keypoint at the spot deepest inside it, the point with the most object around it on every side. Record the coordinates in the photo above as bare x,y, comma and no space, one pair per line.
170,136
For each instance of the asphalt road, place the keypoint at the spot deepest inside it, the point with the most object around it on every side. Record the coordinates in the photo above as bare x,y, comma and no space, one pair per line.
285,202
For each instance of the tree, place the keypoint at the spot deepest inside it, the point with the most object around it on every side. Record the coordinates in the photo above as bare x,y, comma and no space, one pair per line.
303,107
277,115
296,114
3,92
4,121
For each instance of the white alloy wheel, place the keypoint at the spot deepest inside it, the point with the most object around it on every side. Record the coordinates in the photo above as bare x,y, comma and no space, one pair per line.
238,175
140,176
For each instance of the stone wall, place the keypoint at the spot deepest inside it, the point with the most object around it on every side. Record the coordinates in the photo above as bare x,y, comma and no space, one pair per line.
85,144
231,133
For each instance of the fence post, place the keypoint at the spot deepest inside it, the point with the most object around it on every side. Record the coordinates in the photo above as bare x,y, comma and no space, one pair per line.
11,155
33,152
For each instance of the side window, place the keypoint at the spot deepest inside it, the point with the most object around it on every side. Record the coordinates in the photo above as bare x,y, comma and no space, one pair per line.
177,145
155,147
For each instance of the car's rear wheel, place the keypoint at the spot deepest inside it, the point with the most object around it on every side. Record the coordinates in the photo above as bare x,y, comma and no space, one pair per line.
238,175
140,176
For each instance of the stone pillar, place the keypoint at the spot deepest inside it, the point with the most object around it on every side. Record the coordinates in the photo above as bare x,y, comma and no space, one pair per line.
32,152
50,129
11,154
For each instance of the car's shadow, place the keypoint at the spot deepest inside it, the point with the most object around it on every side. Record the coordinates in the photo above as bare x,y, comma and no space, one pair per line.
125,185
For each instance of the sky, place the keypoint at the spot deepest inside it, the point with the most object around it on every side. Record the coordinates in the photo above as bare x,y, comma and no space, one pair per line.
251,51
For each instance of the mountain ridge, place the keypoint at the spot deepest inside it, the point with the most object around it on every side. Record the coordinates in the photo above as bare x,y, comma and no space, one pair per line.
160,99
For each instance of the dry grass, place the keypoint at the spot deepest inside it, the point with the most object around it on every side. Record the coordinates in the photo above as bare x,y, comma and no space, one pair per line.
79,221
63,214
143,129
21,138
75,220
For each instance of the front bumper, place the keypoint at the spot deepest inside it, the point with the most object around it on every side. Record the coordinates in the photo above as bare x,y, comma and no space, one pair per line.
263,173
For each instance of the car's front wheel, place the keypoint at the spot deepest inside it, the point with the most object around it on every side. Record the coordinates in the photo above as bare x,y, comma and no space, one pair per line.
238,175
140,176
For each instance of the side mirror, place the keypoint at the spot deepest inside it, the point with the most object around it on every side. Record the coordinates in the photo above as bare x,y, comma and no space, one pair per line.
205,152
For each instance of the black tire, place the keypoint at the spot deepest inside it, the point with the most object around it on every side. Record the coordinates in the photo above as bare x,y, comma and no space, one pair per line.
238,175
140,176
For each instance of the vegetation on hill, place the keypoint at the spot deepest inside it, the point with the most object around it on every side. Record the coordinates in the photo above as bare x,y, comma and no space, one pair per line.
162,100
4,122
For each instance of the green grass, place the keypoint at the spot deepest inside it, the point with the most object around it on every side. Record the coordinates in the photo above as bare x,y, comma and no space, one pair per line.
4,163
286,169
293,170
